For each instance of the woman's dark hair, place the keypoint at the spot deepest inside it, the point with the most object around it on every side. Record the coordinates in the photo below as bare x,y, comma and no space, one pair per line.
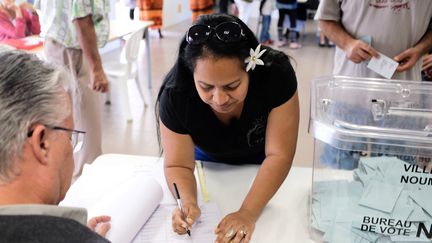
181,74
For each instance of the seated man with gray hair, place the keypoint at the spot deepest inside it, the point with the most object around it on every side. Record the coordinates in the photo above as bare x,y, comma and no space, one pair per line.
37,141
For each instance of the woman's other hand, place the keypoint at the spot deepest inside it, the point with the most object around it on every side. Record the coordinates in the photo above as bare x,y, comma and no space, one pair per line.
236,227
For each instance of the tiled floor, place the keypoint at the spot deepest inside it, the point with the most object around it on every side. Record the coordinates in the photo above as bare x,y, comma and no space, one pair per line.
139,137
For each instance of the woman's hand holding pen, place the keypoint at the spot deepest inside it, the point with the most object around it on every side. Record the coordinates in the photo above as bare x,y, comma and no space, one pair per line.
236,227
179,223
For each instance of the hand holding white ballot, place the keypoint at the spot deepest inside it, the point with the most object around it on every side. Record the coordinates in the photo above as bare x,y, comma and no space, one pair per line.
383,65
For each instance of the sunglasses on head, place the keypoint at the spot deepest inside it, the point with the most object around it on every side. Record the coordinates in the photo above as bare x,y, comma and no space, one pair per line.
227,32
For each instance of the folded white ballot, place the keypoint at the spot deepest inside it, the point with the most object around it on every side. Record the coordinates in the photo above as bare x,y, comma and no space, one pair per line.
383,65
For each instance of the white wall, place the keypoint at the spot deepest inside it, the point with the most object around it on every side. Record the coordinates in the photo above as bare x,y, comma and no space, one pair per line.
175,11
172,15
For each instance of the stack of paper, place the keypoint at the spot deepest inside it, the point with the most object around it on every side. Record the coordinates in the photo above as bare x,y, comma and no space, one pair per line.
388,200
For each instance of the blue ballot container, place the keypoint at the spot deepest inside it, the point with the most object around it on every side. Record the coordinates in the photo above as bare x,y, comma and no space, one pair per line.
372,174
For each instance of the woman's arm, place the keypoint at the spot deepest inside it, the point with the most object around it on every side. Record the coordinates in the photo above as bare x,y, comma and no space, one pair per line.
179,166
281,139
35,27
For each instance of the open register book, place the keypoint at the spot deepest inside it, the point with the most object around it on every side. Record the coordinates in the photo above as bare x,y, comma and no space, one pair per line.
133,191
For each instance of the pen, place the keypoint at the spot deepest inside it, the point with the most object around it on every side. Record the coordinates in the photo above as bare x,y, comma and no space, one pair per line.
180,205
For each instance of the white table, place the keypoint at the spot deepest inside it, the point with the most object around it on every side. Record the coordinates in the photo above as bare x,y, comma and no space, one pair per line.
285,218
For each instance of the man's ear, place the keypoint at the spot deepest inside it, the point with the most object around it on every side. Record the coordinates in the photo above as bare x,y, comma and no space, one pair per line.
39,143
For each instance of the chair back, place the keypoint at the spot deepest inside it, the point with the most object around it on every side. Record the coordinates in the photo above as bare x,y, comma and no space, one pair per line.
131,48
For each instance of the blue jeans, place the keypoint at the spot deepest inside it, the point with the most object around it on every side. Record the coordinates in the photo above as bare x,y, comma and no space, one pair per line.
265,35
201,155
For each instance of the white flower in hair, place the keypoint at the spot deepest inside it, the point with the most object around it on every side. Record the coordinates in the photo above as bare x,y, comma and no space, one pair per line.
253,59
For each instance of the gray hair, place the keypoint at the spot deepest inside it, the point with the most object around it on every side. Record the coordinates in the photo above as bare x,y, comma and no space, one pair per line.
31,92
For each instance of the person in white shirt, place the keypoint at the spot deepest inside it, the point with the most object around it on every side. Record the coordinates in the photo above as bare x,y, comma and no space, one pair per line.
393,27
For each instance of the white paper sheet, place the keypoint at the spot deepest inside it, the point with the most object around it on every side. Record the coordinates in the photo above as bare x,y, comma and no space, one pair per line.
383,65
158,228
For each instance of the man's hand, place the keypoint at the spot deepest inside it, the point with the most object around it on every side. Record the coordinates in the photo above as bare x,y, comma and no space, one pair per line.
427,64
359,51
99,81
407,59
88,41
100,224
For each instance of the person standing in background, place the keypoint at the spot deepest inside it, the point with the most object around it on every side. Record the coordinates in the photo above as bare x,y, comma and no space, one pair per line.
17,21
266,9
392,26
365,29
131,4
74,31
301,15
287,7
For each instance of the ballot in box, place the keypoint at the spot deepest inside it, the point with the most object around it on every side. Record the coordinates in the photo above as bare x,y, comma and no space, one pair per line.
372,173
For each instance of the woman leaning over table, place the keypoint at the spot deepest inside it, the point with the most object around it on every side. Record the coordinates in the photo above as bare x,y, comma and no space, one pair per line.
225,100
17,21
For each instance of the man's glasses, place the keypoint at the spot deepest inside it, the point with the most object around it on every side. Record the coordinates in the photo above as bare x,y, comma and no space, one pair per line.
76,139
227,32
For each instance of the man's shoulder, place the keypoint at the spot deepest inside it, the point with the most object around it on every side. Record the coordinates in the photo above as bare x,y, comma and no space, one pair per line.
28,228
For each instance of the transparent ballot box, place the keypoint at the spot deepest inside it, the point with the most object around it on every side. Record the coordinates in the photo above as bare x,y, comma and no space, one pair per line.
372,172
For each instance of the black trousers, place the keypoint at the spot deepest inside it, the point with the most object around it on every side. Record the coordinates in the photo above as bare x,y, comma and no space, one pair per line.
292,14
131,13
